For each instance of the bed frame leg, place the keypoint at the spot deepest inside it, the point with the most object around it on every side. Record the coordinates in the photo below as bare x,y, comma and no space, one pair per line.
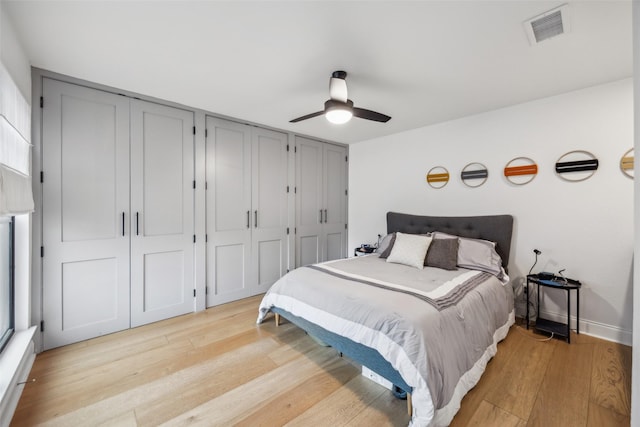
277,319
409,405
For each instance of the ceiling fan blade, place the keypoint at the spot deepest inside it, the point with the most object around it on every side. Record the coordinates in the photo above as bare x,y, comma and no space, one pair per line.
308,116
370,115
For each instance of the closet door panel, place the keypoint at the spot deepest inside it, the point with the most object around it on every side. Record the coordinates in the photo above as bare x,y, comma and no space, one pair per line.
269,203
164,175
162,247
309,209
85,160
335,202
88,161
229,215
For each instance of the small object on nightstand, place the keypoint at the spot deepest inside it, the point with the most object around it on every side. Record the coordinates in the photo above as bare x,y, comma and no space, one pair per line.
363,249
550,280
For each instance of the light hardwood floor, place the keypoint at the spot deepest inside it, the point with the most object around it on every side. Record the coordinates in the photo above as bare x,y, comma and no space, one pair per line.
218,368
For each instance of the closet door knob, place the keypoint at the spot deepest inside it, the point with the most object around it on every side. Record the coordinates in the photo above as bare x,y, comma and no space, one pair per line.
325,216
248,219
137,225
255,218
122,223
320,216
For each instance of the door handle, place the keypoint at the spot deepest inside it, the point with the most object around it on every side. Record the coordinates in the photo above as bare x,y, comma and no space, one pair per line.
320,216
325,216
137,225
255,218
248,219
122,223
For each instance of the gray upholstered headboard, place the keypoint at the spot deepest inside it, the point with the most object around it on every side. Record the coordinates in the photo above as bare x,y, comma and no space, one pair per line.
497,228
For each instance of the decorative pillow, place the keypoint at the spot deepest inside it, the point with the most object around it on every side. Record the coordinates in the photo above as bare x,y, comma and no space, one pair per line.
410,249
476,254
443,253
386,245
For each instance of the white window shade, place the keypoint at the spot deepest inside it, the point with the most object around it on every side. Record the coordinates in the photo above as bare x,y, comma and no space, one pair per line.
16,196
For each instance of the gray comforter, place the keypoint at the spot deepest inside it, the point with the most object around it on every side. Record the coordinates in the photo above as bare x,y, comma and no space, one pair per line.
437,328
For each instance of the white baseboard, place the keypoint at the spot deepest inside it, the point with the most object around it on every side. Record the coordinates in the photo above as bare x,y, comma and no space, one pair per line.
16,362
596,329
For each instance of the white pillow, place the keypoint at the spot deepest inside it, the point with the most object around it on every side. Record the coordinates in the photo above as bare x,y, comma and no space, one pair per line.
410,249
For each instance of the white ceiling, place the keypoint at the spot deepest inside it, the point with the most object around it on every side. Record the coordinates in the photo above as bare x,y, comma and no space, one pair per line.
421,62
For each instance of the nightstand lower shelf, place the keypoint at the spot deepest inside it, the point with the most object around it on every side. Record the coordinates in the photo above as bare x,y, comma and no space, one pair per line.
549,326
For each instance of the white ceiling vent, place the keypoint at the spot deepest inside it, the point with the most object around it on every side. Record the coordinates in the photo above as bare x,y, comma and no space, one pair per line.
550,24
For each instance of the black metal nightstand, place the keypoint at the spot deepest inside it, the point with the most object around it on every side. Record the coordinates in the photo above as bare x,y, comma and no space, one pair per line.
562,283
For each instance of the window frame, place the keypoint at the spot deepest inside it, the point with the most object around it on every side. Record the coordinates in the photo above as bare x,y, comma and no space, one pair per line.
5,336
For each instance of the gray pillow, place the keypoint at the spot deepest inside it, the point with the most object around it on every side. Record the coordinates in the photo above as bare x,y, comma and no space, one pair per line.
386,245
442,253
476,254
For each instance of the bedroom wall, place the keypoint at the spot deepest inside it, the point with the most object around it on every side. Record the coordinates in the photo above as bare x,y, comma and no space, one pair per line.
584,227
13,56
17,358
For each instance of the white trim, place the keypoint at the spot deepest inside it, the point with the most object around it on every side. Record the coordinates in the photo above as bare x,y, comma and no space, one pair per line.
595,329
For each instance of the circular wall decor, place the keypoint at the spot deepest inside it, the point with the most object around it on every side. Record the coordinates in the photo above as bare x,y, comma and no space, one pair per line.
520,171
576,165
438,177
626,164
474,174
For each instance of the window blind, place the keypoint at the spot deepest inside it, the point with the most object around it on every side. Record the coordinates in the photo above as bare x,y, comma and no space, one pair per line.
16,196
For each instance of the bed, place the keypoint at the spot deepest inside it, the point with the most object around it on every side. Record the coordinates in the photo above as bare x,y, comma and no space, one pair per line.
429,331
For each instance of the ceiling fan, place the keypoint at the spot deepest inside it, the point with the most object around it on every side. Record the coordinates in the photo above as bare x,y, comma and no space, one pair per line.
339,109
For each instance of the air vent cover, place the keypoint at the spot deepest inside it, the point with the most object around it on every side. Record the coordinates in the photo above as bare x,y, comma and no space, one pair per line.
547,25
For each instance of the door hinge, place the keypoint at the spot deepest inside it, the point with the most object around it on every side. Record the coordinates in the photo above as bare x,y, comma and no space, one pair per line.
287,231
206,290
346,158
194,238
287,188
287,147
295,149
206,185
194,293
206,132
41,251
194,184
295,230
194,130
41,176
345,226
346,192
206,238
295,190
41,102
42,326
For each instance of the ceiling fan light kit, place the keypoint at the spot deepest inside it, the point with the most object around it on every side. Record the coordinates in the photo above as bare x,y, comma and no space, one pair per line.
339,109
338,112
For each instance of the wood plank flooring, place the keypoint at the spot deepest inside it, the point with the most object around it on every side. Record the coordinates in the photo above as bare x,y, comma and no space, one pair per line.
218,368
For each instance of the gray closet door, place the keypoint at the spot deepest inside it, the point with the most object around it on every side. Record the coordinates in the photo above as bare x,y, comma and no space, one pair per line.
85,158
309,195
321,201
229,214
269,173
334,233
246,170
162,212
